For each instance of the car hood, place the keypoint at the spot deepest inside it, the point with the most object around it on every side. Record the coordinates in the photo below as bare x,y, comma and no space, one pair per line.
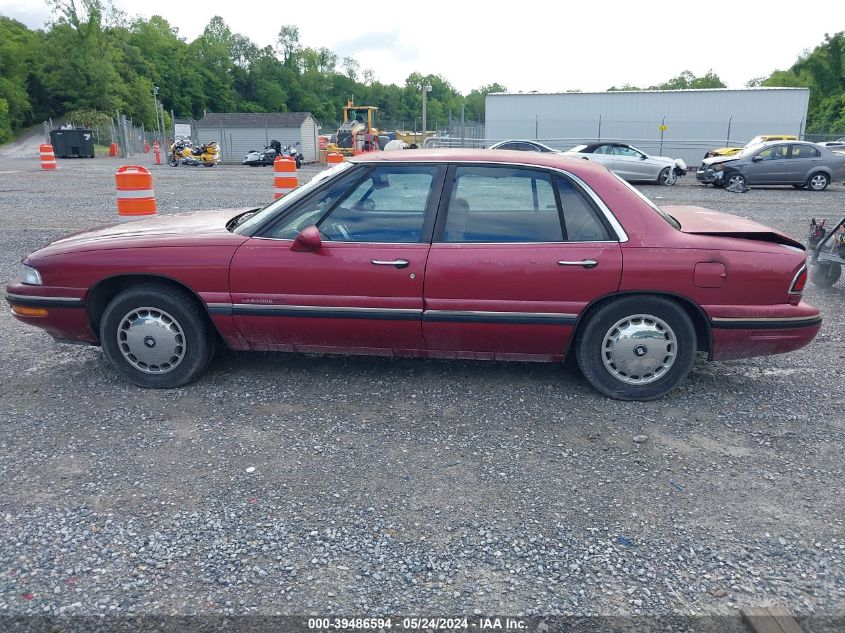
719,159
207,227
701,221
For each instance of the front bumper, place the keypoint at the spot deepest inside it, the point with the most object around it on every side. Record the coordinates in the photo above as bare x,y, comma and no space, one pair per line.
708,175
58,311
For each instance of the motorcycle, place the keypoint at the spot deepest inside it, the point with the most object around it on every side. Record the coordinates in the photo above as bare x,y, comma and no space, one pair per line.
265,157
293,153
183,152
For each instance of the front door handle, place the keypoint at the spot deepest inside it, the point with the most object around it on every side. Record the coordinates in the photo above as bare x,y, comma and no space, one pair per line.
399,263
586,263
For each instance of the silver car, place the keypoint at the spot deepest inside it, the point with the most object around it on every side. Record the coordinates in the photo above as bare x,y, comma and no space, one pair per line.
795,163
631,163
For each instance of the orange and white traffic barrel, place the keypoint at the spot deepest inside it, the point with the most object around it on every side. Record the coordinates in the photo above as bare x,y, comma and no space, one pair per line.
135,195
48,158
333,158
285,179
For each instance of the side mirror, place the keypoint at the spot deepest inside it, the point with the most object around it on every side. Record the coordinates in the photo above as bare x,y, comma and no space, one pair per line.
307,240
643,156
757,158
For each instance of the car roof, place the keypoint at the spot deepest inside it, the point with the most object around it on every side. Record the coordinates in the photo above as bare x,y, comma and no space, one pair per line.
503,156
782,141
592,146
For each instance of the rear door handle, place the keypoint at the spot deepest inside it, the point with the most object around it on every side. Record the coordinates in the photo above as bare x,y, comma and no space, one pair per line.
399,263
586,263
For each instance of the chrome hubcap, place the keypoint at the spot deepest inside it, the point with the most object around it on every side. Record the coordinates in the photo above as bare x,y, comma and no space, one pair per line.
669,177
639,349
151,340
818,182
734,180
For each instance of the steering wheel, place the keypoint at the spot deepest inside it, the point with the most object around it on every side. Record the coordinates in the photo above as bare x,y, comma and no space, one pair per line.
337,227
368,204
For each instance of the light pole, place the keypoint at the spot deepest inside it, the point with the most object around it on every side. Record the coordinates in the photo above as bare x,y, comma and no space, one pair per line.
426,89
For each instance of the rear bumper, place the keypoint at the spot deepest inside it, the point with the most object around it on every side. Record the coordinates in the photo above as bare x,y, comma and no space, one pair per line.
769,330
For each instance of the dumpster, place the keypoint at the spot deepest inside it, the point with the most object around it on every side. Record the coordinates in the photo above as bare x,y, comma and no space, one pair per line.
72,143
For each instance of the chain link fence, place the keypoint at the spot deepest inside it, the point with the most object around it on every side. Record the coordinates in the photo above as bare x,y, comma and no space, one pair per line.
130,139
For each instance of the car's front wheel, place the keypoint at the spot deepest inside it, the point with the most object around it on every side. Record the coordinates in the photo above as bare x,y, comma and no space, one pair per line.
636,348
156,337
733,179
667,177
818,182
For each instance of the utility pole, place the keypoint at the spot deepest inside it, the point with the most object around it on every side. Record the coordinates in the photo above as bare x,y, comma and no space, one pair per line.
155,109
426,89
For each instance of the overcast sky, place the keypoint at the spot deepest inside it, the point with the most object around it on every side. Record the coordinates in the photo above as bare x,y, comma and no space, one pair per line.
527,45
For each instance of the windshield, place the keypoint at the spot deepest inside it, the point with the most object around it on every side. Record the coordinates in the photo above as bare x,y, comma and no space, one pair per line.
669,219
254,218
751,149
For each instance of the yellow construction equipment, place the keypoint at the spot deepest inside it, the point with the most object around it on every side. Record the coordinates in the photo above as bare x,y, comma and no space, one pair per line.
357,133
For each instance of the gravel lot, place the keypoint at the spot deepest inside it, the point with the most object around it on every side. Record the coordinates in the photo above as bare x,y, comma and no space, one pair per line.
366,486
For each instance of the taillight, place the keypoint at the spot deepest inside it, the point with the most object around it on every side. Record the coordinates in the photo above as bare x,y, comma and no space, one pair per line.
797,285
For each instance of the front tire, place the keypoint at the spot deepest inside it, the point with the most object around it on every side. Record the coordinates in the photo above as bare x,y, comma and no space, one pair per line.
156,337
636,348
667,177
733,179
818,182
825,274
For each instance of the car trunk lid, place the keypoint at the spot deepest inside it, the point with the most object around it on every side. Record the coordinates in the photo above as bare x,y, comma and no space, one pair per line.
701,221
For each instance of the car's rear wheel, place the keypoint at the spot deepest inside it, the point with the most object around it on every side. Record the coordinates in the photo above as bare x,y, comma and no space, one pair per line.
156,337
818,181
733,179
825,274
667,177
636,348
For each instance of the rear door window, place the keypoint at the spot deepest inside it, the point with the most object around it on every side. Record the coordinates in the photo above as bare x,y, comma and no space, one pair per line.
502,204
580,218
804,151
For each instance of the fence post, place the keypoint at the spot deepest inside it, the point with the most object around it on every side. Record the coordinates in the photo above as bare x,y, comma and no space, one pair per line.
463,127
728,140
599,137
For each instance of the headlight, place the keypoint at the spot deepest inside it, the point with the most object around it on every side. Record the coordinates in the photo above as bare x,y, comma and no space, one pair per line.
717,167
29,275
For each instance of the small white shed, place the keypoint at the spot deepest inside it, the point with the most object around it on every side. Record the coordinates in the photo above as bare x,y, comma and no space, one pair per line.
240,132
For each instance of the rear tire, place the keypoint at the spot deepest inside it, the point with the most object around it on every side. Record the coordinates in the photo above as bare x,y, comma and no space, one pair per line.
818,181
156,337
825,274
636,348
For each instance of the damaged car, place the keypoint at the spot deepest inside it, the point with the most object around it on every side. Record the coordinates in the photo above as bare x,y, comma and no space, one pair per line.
797,163
630,163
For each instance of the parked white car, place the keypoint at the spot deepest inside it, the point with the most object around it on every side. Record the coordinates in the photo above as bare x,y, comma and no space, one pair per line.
632,164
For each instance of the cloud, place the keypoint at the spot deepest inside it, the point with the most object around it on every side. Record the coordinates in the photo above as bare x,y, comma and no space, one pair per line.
33,16
390,42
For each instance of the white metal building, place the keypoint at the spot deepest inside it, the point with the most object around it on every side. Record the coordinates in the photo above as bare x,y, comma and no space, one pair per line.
694,120
238,133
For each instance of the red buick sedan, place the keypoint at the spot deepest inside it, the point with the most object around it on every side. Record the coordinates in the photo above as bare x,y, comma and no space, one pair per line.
457,254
